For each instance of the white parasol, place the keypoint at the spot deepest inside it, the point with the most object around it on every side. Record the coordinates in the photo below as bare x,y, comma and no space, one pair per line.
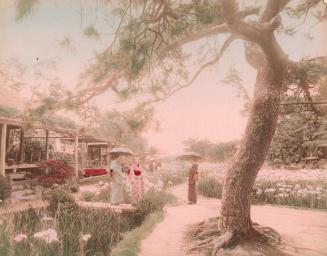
189,156
121,151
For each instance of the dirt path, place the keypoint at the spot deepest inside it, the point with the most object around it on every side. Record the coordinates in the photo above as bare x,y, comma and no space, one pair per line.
305,230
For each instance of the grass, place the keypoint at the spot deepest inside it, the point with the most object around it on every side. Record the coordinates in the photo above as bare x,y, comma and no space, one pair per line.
149,213
130,245
210,187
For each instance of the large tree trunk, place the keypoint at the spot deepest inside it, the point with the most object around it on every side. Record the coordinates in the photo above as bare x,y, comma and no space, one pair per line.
235,211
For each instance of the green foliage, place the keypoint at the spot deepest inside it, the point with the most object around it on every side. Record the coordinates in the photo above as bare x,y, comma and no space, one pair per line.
68,44
210,187
88,196
170,178
41,114
8,111
300,133
151,202
70,226
309,194
90,31
211,151
4,240
5,188
234,79
101,225
130,245
103,196
58,198
126,127
27,222
71,185
24,8
207,11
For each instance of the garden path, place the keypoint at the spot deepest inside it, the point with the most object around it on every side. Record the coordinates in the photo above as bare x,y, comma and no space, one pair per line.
305,230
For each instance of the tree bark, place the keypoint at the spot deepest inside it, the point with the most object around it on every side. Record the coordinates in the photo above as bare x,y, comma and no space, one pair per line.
235,211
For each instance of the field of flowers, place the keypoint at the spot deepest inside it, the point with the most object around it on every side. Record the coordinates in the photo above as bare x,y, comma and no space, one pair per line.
65,229
301,188
76,232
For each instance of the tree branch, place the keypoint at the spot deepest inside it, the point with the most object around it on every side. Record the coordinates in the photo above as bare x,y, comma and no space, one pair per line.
259,33
209,30
86,95
273,8
199,34
226,44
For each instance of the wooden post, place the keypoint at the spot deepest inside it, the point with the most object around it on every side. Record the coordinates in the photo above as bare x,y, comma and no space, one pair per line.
3,149
101,158
83,155
47,145
87,161
46,149
76,156
21,150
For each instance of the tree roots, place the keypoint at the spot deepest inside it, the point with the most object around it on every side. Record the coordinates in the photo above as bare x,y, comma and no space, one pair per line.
206,237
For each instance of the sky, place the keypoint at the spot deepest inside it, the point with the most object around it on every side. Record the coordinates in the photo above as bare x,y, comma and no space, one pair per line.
206,110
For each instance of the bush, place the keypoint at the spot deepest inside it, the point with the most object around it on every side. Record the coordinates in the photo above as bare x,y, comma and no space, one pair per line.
71,185
5,188
104,195
170,178
59,173
152,201
210,187
87,196
59,199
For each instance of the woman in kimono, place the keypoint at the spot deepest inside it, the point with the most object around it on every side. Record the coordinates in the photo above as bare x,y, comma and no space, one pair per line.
137,183
117,184
192,178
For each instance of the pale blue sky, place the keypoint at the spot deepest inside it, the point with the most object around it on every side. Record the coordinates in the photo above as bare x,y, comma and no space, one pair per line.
205,110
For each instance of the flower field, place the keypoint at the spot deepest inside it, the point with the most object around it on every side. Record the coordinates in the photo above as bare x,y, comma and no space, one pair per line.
300,188
76,232
65,229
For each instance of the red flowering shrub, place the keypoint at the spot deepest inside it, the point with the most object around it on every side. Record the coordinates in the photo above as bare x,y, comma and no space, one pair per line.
58,173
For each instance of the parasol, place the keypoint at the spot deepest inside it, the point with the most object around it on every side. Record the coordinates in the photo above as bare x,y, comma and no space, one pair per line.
189,156
121,151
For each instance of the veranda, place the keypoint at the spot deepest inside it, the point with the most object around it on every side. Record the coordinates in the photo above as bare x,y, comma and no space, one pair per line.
88,152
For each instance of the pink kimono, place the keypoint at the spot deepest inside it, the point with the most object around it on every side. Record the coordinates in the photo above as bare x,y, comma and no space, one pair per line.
136,178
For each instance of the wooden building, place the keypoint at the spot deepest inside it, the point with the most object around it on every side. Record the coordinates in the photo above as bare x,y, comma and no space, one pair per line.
13,156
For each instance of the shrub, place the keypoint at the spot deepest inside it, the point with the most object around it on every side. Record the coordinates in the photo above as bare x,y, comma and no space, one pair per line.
71,185
87,196
152,201
59,199
210,187
170,178
103,196
59,173
5,188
